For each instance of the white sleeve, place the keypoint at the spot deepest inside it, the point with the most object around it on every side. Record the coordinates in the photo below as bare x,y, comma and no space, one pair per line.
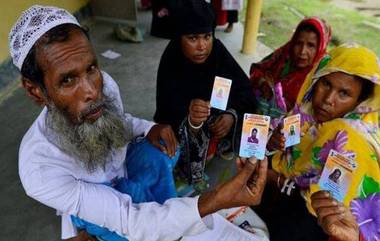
139,126
104,206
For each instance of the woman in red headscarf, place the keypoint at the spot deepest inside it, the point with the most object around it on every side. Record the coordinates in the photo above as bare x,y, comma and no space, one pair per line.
278,78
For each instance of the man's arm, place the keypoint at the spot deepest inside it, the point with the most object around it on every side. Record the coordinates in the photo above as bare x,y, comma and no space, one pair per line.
53,186
104,206
139,126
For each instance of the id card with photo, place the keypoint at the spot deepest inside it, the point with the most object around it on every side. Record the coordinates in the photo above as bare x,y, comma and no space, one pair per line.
337,175
254,136
292,130
220,93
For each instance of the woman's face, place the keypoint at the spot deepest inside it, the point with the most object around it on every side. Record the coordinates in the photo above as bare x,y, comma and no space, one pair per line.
304,49
197,47
335,95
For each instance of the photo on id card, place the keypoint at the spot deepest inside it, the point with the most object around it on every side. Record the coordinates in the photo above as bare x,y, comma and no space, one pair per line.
292,130
220,93
337,175
254,136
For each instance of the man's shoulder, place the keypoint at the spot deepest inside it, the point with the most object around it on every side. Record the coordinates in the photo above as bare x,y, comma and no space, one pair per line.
109,83
36,146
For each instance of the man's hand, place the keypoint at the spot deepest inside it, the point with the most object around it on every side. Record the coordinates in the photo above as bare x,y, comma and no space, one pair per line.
199,111
245,189
277,140
163,137
222,125
335,219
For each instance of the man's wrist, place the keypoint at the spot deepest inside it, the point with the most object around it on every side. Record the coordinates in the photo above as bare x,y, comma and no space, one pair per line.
207,203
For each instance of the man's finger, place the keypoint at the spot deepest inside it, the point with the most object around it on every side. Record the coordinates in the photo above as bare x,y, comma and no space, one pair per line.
261,176
240,162
246,172
173,143
158,145
167,144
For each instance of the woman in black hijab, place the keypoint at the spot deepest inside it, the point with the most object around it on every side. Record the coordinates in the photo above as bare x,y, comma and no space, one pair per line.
185,80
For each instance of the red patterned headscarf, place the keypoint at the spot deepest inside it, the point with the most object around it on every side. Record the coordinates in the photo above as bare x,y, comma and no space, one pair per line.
274,64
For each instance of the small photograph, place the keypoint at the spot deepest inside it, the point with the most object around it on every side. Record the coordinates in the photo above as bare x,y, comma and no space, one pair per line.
220,93
247,227
253,138
292,130
335,175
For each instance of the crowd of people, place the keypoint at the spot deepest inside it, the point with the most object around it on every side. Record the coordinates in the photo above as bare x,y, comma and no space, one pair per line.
111,175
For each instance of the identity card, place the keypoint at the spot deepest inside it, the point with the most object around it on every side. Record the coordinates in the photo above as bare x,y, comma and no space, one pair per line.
292,130
337,175
220,93
254,136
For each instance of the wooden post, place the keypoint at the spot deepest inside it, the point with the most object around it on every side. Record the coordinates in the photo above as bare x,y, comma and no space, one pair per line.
251,28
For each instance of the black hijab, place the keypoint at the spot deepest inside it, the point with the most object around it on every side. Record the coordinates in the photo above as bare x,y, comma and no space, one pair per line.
179,80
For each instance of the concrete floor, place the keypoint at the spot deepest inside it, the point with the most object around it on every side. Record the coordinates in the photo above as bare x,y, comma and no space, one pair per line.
22,218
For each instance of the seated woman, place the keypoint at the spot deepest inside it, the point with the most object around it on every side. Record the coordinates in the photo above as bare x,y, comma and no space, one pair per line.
278,78
339,111
185,81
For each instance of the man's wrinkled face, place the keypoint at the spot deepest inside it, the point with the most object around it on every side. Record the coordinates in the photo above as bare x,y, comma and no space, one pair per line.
197,47
87,123
72,78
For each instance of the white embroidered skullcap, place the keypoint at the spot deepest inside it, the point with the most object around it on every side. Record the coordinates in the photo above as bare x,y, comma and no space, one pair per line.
31,25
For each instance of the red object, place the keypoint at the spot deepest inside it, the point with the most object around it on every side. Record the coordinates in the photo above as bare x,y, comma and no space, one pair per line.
274,65
146,4
221,15
212,146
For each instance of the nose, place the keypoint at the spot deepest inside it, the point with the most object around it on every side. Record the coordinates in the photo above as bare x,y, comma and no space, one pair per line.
201,45
303,49
330,98
89,90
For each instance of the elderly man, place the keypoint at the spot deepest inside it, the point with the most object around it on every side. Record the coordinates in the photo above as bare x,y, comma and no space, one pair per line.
76,155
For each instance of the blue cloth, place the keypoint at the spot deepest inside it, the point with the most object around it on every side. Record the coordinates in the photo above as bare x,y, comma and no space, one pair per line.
150,178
